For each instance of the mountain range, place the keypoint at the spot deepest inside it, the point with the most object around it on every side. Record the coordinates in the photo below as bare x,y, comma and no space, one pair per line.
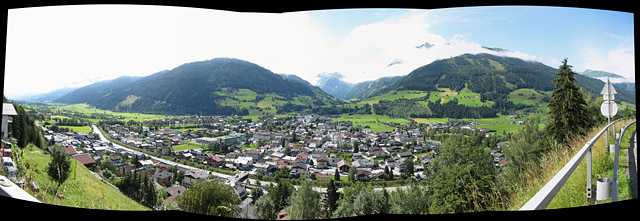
220,86
482,73
228,86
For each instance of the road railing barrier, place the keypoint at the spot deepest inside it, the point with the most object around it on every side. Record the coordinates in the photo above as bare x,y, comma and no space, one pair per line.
545,195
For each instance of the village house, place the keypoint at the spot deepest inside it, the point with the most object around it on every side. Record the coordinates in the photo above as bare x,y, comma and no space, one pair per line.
362,163
213,160
174,192
298,170
162,166
115,159
343,166
243,163
254,154
321,162
124,168
302,158
394,149
362,175
163,178
405,154
265,168
191,178
149,171
85,159
99,150
502,144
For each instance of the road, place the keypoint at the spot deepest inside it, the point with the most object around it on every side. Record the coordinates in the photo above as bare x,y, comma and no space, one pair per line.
131,151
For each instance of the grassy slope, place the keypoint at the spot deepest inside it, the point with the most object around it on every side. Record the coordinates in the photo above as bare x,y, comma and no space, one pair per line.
82,189
573,193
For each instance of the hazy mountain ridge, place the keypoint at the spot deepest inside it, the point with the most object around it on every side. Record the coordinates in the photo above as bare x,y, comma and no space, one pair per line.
211,87
193,88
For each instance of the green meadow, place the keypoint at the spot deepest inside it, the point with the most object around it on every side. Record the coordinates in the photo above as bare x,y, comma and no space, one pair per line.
373,121
82,189
87,109
393,95
525,96
85,129
501,124
187,146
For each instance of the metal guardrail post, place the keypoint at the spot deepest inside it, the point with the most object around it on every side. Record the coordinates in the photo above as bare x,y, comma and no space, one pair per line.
589,184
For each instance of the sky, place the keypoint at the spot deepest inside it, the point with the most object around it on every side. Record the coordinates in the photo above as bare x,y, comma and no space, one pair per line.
53,47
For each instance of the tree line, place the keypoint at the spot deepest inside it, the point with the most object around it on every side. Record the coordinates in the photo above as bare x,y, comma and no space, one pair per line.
410,108
24,129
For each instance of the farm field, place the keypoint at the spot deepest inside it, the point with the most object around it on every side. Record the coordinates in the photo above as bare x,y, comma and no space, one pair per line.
87,109
443,95
526,96
186,146
501,124
393,95
372,120
85,129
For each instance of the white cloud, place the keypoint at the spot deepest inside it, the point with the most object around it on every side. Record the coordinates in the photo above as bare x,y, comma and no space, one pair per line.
366,52
619,61
61,45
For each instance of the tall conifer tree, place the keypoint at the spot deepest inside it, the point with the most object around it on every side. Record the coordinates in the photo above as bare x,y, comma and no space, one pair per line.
567,108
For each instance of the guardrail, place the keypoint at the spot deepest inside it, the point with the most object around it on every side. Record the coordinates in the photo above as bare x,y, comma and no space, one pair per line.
614,184
544,196
10,189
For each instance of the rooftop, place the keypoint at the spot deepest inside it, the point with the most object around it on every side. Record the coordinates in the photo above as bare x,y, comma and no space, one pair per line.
8,109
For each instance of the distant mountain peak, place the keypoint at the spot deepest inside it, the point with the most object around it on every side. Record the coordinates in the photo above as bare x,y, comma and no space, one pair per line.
394,62
495,49
598,74
426,45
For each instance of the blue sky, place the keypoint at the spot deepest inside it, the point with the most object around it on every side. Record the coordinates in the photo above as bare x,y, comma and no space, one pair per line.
549,33
81,44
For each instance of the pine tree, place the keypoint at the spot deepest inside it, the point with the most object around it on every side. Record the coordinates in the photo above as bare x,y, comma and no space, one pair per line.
567,108
332,198
304,203
386,172
59,167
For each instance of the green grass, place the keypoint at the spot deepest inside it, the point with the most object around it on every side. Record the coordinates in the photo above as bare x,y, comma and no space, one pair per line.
85,129
189,129
246,95
81,190
525,96
573,193
393,95
469,98
443,95
87,109
500,124
267,102
186,146
249,146
371,120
